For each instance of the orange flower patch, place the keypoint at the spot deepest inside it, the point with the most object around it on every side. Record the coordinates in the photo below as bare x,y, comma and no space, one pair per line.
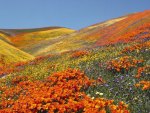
79,54
18,79
123,63
141,70
137,47
135,32
60,92
145,84
4,70
140,33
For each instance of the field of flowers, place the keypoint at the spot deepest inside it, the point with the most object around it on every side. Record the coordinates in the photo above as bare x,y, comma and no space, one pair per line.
108,79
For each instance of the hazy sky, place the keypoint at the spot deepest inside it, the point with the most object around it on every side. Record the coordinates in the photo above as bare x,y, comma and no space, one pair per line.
74,14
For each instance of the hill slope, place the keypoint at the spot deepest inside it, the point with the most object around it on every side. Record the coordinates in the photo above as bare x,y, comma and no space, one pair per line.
27,40
43,41
67,42
119,72
14,32
113,78
108,32
4,37
11,54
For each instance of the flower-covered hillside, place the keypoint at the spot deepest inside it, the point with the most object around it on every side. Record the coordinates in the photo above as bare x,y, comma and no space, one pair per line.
111,77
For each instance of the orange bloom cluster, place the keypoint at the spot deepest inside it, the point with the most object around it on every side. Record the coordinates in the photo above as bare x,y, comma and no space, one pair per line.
39,58
4,67
10,68
145,84
18,79
119,108
62,92
142,70
4,70
125,62
79,54
146,36
32,62
19,64
139,33
127,24
137,47
16,39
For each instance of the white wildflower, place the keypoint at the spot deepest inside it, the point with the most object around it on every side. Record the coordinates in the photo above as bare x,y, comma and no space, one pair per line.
92,98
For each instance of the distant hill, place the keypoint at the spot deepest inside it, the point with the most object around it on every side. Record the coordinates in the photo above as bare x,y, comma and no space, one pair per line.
100,34
26,38
42,41
13,32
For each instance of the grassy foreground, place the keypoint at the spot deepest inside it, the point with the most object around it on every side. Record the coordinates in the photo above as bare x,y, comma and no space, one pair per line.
112,78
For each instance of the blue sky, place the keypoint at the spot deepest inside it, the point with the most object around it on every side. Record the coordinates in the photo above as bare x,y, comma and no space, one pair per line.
73,14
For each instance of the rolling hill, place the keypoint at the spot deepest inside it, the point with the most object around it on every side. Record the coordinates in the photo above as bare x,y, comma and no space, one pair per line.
24,39
53,40
103,68
14,32
52,45
11,54
4,37
27,40
100,34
